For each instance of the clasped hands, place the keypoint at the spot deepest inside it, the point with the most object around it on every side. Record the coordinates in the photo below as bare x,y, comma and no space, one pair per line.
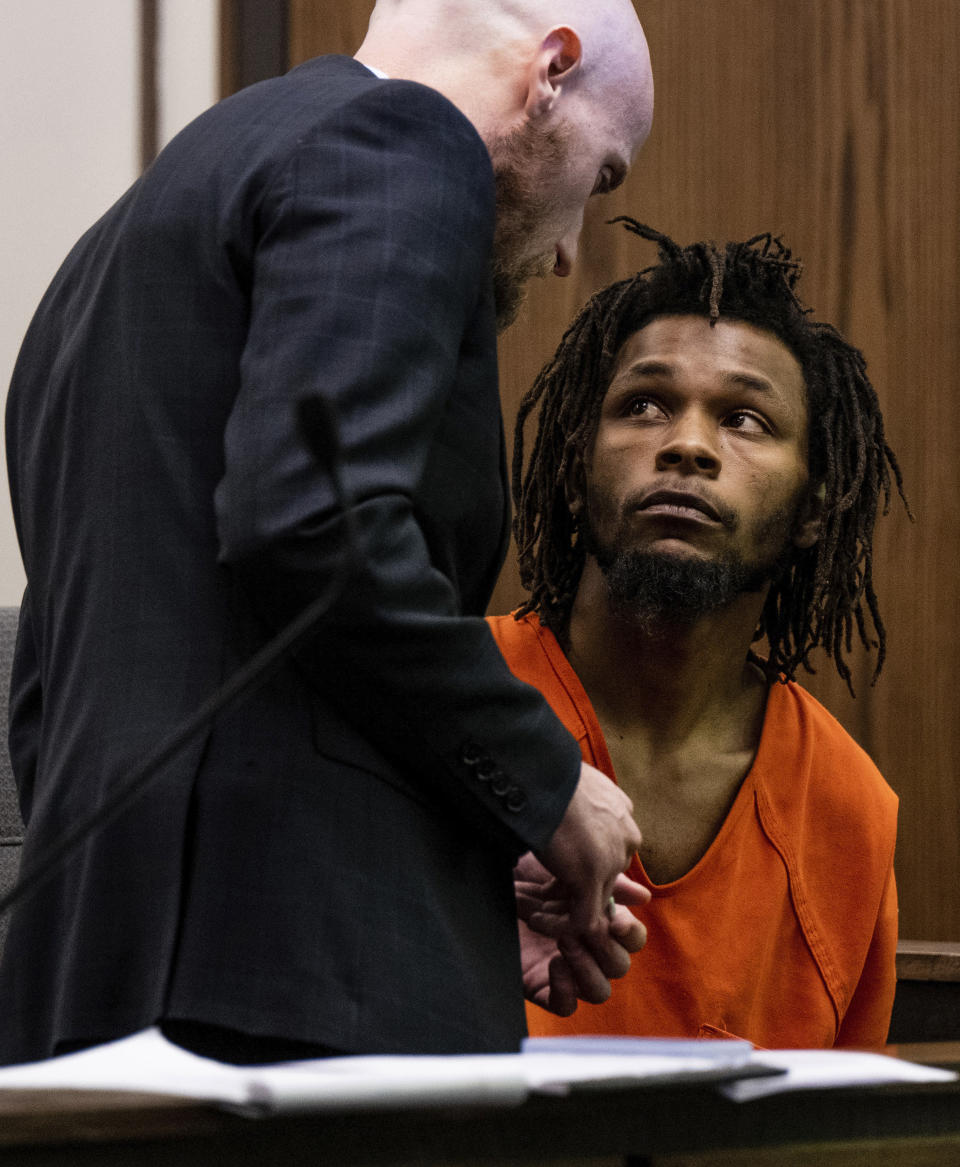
563,965
576,930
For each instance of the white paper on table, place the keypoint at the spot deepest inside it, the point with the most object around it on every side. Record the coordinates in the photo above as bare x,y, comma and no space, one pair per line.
808,1069
482,1079
147,1063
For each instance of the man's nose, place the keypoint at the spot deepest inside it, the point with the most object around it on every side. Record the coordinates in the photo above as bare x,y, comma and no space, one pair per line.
690,447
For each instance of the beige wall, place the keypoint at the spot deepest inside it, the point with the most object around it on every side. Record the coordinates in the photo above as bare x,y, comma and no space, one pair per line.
69,126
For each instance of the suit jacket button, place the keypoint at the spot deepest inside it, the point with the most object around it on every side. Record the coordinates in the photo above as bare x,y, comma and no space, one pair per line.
516,799
486,768
470,753
500,785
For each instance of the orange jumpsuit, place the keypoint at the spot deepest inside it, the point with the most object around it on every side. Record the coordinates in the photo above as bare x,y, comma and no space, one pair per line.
785,931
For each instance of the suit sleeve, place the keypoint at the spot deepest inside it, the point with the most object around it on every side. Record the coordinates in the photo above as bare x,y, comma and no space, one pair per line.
371,262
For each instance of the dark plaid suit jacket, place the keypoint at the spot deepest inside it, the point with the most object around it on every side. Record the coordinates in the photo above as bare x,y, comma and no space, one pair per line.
331,862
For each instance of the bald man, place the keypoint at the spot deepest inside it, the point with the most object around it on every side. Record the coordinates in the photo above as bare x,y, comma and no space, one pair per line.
317,263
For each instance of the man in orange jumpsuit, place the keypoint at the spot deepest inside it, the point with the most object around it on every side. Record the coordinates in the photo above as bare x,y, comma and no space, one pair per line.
706,473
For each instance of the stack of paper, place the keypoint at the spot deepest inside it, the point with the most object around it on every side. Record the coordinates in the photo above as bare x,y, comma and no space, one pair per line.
147,1063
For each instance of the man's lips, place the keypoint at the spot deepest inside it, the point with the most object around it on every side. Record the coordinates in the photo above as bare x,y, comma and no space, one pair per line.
679,504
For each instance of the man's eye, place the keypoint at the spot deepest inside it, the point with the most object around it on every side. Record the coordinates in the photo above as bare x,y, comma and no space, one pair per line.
641,407
747,423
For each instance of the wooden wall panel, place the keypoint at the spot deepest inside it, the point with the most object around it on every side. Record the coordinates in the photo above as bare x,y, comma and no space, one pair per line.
839,125
335,26
836,123
254,42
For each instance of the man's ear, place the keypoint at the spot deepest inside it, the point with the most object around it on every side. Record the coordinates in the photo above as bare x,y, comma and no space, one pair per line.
574,483
556,61
810,519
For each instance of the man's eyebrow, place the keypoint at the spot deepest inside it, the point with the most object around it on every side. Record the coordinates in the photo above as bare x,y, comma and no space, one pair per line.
748,381
651,367
648,367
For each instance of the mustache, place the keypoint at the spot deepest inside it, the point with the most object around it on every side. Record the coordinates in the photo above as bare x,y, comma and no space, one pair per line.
684,493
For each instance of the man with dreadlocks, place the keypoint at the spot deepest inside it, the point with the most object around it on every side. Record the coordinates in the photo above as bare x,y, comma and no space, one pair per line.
706,472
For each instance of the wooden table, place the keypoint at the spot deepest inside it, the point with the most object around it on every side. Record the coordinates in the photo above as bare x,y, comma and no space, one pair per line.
927,1004
916,1126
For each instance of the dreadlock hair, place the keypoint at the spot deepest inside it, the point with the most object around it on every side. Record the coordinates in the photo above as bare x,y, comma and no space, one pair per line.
827,590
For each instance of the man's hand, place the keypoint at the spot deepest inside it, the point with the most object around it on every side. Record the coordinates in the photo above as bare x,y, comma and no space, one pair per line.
593,844
561,968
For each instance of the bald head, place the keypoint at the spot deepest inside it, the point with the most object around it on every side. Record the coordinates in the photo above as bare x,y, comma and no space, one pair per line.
479,55
560,91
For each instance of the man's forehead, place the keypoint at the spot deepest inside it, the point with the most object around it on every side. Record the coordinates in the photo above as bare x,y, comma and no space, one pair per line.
628,101
617,72
677,343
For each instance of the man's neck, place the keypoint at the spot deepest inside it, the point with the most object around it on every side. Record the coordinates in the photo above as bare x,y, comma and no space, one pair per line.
682,711
668,679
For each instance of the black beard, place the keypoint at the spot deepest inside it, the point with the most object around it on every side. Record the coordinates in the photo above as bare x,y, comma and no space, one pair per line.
657,591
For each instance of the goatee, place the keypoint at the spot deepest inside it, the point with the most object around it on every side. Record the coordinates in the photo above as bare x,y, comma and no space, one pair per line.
660,591
656,591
